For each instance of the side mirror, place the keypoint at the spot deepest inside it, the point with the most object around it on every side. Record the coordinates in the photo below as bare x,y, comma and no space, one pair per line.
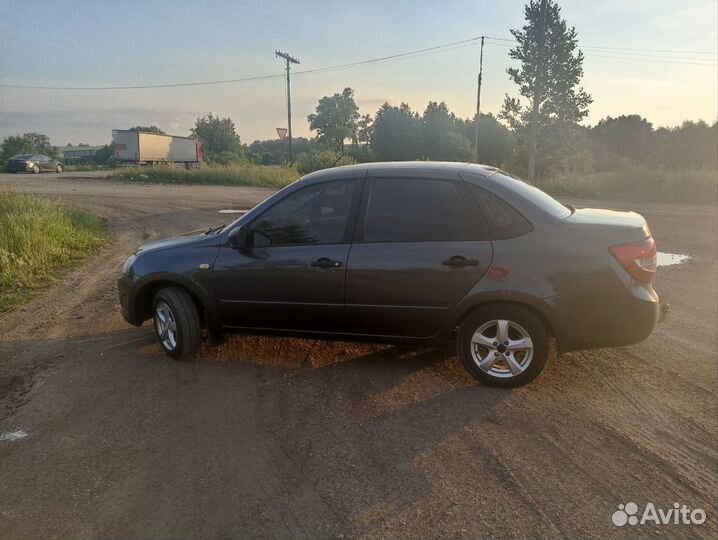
238,238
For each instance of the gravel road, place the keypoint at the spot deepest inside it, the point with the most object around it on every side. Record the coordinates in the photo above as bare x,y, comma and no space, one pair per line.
280,438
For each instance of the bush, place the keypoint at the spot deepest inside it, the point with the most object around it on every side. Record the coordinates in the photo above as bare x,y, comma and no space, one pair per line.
317,160
224,158
639,183
244,174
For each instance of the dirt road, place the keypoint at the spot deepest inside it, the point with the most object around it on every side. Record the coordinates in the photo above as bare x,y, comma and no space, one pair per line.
280,438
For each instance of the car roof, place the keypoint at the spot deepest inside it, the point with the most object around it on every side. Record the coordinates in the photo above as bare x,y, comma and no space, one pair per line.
394,167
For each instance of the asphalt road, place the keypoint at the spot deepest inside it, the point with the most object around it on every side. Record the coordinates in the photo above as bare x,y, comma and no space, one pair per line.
279,438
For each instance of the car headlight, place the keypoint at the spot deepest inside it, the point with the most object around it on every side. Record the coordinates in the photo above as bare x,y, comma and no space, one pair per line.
128,263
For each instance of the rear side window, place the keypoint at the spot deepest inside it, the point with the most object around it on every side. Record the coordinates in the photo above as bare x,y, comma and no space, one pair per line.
415,210
504,220
543,200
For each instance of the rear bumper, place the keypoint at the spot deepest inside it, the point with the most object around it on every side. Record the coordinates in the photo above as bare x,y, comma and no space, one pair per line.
607,320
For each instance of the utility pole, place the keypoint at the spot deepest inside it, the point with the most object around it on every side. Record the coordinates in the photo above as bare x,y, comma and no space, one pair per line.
478,99
537,91
289,60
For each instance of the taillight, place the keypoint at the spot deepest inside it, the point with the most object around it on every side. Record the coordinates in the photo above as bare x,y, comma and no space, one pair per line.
638,258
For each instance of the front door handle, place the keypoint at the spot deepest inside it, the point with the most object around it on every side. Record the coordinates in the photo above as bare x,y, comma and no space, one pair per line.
326,263
457,261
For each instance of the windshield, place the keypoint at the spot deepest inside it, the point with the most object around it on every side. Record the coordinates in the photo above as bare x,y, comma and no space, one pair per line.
540,198
21,156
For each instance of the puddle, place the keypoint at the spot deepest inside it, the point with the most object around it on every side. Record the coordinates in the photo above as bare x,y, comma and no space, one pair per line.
13,436
232,211
669,259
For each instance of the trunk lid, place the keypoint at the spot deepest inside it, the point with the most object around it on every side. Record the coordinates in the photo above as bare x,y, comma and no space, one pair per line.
615,226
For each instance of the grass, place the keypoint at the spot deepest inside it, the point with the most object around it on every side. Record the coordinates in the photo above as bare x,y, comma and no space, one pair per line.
38,239
230,175
639,184
83,167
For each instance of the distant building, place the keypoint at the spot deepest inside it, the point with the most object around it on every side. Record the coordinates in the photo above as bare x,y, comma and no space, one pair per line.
78,154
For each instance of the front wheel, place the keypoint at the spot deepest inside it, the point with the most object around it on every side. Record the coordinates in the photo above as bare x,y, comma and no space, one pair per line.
503,345
36,169
59,169
177,323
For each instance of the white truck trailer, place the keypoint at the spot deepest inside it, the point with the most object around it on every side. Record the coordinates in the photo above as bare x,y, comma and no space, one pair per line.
136,148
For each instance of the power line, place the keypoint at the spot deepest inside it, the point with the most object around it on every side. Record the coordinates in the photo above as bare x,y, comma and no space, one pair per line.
677,51
383,59
400,56
142,86
640,58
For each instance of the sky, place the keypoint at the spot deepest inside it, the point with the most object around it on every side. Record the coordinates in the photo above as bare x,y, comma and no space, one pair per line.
109,43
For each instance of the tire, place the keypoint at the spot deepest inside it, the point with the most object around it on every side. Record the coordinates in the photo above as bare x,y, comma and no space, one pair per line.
59,169
36,169
525,359
175,305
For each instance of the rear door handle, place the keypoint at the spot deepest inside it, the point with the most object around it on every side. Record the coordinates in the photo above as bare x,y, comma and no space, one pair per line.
457,261
326,263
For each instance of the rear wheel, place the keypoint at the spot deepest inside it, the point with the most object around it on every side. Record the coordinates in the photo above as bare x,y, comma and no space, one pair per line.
36,169
177,323
59,168
503,345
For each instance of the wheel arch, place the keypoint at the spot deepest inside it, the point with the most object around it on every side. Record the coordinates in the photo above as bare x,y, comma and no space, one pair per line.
147,291
543,315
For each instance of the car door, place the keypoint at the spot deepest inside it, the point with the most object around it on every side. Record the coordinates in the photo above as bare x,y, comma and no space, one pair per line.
43,162
291,276
420,246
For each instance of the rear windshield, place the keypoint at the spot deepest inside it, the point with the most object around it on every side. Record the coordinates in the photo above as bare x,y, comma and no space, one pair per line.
534,195
21,156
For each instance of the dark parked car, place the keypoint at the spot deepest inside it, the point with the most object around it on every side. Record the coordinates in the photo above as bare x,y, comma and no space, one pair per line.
421,252
34,163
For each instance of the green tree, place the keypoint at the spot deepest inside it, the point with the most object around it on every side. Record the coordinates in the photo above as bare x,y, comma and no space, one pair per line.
365,130
442,136
218,137
29,143
692,145
335,119
627,135
274,151
495,139
148,129
396,133
105,155
553,85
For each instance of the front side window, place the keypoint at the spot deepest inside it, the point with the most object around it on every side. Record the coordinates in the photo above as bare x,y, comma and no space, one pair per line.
316,214
416,210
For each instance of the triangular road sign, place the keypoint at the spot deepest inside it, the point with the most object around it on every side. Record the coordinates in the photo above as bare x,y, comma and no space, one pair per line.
282,132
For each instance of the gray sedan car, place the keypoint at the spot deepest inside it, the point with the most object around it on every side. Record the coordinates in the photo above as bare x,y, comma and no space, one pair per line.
34,163
415,252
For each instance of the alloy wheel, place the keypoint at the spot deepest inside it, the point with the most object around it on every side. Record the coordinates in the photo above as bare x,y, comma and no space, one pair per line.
166,325
502,348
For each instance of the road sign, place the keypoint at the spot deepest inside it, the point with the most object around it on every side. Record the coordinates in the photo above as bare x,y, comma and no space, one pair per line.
282,132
